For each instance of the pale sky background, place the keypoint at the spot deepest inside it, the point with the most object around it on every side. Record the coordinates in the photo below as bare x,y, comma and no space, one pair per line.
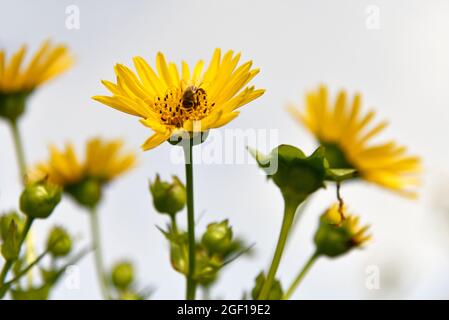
402,70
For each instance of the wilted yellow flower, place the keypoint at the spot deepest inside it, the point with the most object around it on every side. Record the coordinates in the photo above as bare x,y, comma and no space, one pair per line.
103,162
346,134
48,62
171,102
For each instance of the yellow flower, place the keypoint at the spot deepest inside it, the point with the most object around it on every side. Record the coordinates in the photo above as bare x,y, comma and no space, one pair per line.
347,135
171,102
48,62
347,222
336,235
103,162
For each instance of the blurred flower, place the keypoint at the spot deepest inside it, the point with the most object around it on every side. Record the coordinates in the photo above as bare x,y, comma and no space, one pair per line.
122,275
344,132
59,242
83,179
173,102
17,82
336,236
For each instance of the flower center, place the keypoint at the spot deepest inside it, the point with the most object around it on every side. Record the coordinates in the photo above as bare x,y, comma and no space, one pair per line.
179,105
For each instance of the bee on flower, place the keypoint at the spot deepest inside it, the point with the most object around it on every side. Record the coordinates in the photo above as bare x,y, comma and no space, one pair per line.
175,101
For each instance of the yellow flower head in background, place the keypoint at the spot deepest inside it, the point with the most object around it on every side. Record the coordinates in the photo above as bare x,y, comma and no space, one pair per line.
103,162
347,135
173,101
83,180
48,62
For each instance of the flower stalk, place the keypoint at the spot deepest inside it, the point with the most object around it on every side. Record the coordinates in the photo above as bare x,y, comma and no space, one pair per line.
289,215
99,266
19,149
191,285
8,264
300,276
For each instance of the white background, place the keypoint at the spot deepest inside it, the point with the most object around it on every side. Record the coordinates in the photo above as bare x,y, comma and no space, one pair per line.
402,70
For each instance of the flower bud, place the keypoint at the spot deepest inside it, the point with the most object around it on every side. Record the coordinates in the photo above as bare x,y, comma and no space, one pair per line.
87,192
335,236
11,242
5,223
59,243
218,237
12,106
168,198
122,275
276,292
39,199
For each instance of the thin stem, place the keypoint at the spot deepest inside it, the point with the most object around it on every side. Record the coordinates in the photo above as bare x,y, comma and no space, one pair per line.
18,146
95,230
8,264
19,149
341,203
191,285
300,276
289,215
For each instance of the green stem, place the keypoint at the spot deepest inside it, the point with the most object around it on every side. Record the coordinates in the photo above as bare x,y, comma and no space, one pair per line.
19,149
300,276
95,230
191,285
8,264
289,215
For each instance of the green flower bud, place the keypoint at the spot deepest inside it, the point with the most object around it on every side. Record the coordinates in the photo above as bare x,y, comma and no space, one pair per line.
335,236
122,275
12,105
87,192
296,175
39,199
11,243
5,223
218,237
59,243
276,292
168,198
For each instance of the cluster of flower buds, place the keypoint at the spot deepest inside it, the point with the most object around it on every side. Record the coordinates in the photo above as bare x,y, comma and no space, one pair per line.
216,249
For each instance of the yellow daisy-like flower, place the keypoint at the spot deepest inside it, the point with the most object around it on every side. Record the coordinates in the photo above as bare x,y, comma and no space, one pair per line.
347,135
103,162
48,62
172,101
